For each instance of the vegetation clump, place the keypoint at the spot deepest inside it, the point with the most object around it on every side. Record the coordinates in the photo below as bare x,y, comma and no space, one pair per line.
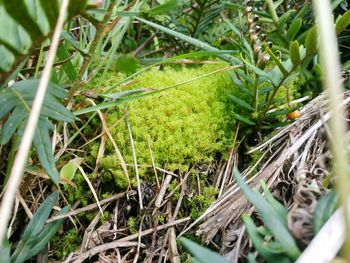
190,124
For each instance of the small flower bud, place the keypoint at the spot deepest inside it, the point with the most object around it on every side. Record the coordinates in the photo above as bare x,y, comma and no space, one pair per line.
249,10
269,44
263,61
256,52
263,38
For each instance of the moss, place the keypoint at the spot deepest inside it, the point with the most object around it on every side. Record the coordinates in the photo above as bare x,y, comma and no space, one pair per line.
63,246
132,225
201,202
186,125
77,193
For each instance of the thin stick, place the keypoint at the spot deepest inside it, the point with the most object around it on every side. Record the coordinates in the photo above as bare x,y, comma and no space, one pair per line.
26,142
92,206
139,241
135,160
152,159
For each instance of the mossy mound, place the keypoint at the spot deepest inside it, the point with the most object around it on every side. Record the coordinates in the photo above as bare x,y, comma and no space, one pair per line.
192,124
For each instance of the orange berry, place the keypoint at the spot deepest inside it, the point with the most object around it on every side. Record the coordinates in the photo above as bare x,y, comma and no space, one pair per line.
294,115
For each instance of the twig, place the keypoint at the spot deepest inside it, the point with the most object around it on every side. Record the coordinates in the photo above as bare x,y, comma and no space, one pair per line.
162,191
101,248
139,241
92,206
87,59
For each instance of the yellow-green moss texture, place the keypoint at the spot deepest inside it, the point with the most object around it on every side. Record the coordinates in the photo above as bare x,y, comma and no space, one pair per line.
190,124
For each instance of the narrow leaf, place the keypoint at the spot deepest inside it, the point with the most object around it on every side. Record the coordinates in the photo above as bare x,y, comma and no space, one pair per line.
342,22
241,103
202,254
38,220
169,5
294,29
311,42
270,218
42,144
294,53
243,119
192,41
324,209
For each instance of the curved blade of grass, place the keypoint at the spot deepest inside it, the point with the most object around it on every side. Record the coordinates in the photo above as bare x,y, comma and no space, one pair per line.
202,254
324,209
192,41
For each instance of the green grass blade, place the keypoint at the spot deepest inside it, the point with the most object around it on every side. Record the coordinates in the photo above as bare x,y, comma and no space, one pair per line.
200,253
190,40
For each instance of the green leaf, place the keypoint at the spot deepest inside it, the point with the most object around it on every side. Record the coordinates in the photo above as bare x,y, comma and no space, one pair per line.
270,218
20,13
5,251
38,220
277,206
303,11
19,98
251,258
69,169
76,44
311,42
25,24
30,247
294,29
12,124
284,19
68,67
325,207
123,94
169,5
243,119
241,103
342,22
42,144
200,253
127,64
51,10
260,244
45,236
294,53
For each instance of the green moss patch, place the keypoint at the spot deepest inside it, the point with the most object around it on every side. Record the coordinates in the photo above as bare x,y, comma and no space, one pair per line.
190,124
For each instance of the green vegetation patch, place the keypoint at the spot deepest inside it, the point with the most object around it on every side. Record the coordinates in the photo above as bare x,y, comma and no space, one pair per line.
190,124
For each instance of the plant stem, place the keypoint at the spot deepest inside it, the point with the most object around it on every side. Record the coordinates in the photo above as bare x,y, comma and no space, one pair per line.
87,59
272,11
